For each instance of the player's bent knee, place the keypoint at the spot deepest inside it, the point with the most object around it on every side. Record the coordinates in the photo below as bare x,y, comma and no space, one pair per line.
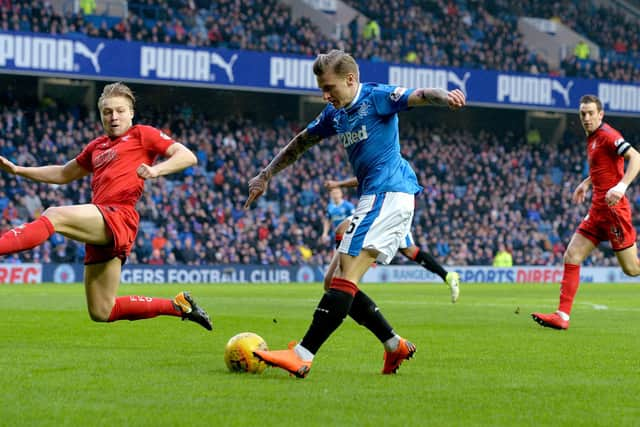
572,257
100,314
98,317
53,214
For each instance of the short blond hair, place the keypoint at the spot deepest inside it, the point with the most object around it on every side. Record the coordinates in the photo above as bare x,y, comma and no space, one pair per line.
117,89
338,61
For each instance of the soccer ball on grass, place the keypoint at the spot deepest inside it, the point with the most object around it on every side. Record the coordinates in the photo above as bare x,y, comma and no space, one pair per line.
238,353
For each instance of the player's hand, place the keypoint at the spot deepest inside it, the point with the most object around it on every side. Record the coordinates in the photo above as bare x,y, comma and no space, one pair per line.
613,196
146,172
257,187
580,194
330,184
7,165
456,99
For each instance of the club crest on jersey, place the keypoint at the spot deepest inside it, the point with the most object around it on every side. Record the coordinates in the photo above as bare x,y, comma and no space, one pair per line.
347,139
364,109
397,93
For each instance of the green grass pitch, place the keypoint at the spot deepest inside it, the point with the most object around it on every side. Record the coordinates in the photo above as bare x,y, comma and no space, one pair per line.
482,361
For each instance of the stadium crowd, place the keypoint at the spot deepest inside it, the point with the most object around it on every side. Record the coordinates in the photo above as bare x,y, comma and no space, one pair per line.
617,33
483,190
468,34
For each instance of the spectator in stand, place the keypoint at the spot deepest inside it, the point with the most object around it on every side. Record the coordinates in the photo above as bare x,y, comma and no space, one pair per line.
157,258
88,7
237,25
582,51
32,203
503,257
371,31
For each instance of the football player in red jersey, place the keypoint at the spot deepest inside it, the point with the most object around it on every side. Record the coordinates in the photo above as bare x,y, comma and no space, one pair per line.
120,161
609,216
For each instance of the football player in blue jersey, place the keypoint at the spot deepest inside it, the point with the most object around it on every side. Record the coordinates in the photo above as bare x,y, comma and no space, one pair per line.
408,248
364,116
338,209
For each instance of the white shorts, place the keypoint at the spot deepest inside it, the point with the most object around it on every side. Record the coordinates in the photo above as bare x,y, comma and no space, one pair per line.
380,222
407,242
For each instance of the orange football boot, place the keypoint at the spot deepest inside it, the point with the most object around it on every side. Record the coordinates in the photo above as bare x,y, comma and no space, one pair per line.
285,359
552,320
393,359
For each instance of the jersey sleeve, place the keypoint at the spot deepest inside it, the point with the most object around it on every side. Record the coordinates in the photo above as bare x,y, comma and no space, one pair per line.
155,140
84,159
390,99
620,145
323,124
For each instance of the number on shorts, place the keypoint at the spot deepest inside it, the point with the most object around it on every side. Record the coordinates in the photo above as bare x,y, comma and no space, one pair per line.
352,225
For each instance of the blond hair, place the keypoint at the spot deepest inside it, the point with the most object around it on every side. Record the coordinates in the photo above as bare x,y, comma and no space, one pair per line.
338,61
117,89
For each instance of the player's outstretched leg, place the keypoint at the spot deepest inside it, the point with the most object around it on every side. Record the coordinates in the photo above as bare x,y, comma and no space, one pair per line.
288,359
26,236
329,314
453,281
191,311
551,320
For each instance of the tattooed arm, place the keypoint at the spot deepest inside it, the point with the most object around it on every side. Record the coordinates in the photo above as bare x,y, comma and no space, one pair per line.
429,96
288,155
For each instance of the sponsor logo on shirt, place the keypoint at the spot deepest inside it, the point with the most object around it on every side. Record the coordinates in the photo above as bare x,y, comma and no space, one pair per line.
104,158
347,139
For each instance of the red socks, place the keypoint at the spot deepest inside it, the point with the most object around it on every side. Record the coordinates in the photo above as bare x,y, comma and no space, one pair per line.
138,307
26,236
344,285
569,287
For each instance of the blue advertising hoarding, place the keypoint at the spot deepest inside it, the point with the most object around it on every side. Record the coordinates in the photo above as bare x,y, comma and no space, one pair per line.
33,273
144,273
101,59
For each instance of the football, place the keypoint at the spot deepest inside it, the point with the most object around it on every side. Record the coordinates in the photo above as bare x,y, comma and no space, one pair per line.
238,353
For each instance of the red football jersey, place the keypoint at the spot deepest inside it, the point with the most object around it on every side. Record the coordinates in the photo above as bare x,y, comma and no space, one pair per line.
114,162
605,150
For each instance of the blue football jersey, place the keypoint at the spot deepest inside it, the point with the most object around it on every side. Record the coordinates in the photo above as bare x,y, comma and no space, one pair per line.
368,130
337,213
